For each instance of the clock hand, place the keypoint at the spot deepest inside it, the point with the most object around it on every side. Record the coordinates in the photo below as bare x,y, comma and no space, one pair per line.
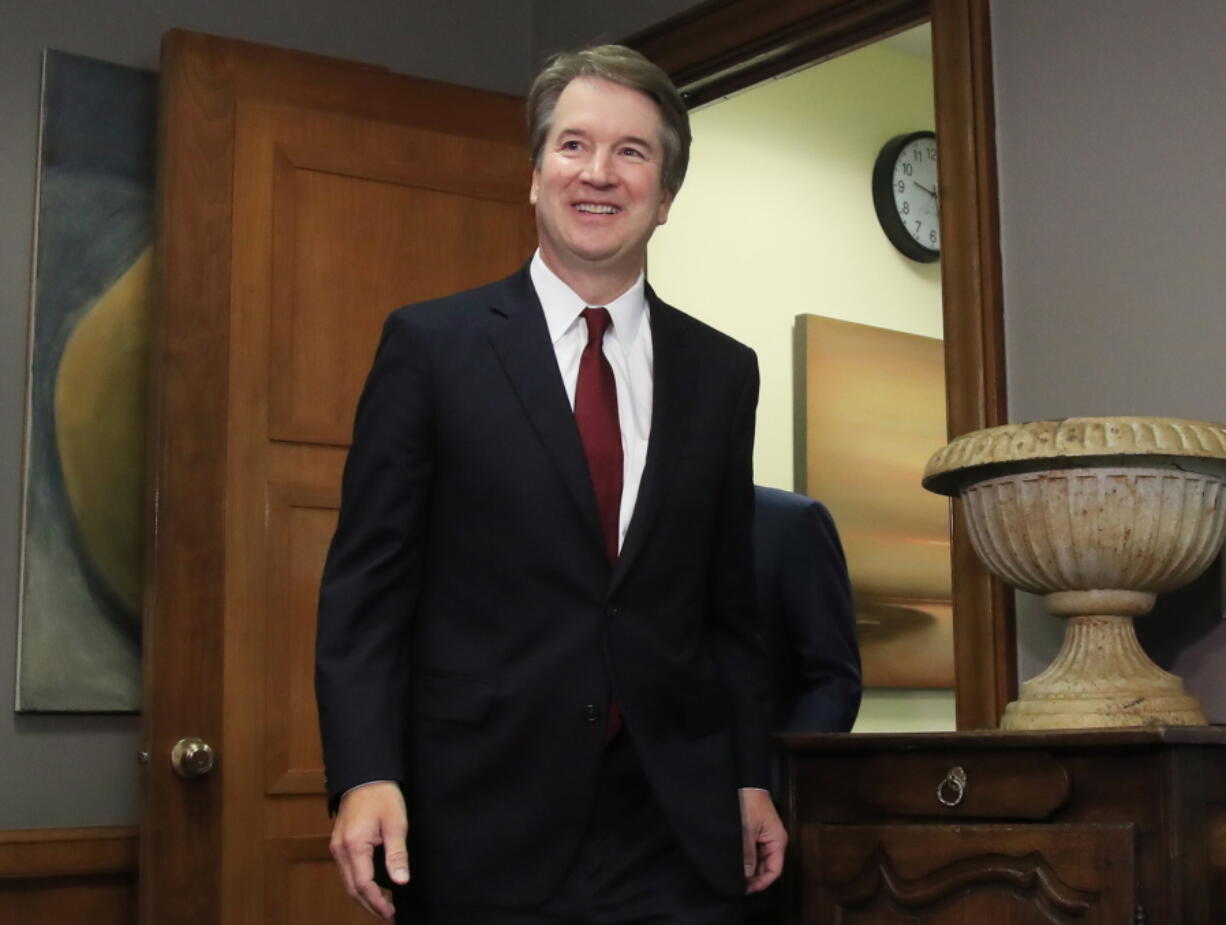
930,192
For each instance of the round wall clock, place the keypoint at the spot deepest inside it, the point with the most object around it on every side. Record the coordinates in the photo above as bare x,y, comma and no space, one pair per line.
905,195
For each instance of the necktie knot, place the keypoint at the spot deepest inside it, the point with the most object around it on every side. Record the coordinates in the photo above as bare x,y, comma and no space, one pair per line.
598,322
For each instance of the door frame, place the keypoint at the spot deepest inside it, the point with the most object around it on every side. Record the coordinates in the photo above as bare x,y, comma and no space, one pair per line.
723,46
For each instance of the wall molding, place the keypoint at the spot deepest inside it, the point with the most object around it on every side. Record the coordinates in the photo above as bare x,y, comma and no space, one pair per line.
39,854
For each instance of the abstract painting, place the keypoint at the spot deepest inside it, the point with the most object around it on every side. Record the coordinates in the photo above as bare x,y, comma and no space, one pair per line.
90,317
871,410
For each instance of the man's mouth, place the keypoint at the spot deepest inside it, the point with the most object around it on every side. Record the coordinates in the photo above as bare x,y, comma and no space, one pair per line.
597,208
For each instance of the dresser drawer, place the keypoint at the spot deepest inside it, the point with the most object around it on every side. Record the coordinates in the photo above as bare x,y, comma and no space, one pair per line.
982,785
971,784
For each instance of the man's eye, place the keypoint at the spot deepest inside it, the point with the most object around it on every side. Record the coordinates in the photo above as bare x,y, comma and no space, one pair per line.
570,146
632,152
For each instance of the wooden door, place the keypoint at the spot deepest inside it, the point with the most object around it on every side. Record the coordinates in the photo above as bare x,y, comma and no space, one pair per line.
301,199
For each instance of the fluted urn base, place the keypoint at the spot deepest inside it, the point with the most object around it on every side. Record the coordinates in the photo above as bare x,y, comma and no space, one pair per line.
1102,676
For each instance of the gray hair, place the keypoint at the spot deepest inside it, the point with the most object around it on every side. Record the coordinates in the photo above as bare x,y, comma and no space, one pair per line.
624,66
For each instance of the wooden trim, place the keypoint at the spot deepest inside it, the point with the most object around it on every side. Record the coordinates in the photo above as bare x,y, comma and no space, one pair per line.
724,46
35,854
984,637
727,45
1097,740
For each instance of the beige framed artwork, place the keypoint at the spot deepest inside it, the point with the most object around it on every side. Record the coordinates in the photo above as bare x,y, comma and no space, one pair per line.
870,411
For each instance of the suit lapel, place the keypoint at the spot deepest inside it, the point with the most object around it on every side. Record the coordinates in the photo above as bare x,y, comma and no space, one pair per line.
527,357
674,378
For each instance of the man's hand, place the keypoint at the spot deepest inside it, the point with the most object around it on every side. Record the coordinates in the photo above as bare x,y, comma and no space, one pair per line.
370,815
762,840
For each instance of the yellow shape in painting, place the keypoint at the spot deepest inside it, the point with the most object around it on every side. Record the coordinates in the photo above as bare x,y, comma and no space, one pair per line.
100,413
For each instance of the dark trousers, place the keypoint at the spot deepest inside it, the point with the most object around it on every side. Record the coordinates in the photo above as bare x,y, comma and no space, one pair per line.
629,869
765,908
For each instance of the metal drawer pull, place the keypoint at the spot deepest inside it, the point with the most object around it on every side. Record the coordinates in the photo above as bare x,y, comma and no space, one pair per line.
951,790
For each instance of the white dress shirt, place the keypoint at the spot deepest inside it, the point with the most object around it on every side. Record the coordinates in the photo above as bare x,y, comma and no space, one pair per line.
627,346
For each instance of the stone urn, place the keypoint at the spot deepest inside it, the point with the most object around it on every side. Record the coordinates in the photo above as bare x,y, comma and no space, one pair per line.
1099,515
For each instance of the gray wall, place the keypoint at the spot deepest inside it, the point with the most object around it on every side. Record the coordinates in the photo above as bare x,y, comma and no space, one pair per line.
1108,112
1111,125
81,770
565,24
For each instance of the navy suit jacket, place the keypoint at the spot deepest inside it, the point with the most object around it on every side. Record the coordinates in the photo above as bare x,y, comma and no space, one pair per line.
471,627
806,614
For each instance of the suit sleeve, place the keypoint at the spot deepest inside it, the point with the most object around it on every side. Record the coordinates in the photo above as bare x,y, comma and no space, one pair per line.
737,642
372,574
819,623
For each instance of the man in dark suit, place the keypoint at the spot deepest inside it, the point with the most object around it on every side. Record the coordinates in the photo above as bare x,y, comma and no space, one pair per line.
536,649
806,614
808,624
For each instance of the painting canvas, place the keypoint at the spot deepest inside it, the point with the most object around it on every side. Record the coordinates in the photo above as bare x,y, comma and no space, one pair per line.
80,605
871,411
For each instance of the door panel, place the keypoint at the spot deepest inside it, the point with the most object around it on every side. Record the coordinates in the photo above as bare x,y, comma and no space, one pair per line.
302,199
363,218
300,874
301,519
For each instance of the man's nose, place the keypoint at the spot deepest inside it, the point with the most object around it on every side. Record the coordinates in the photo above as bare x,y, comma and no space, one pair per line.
599,169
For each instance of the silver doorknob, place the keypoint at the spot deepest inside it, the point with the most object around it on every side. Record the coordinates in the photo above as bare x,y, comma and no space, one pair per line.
192,758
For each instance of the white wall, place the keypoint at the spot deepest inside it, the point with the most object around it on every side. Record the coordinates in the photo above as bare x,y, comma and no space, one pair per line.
1111,127
776,219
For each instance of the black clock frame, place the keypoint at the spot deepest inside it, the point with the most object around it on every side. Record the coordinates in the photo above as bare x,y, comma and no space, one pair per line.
883,199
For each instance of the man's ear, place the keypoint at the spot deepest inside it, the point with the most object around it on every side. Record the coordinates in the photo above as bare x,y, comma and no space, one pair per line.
666,203
536,183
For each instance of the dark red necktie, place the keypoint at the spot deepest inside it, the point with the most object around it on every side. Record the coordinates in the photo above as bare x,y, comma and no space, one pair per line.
600,431
596,415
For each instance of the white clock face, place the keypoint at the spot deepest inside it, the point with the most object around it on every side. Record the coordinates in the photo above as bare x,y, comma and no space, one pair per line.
915,191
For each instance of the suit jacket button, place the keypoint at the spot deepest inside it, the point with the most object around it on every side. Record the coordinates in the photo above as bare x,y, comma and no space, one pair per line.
591,713
612,611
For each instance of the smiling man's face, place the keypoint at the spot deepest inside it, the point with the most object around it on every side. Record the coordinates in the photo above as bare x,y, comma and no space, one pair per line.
597,189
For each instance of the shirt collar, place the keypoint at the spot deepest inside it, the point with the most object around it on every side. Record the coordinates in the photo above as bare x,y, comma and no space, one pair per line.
562,306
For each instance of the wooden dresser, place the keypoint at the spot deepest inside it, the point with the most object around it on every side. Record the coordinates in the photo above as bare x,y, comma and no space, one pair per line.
990,828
